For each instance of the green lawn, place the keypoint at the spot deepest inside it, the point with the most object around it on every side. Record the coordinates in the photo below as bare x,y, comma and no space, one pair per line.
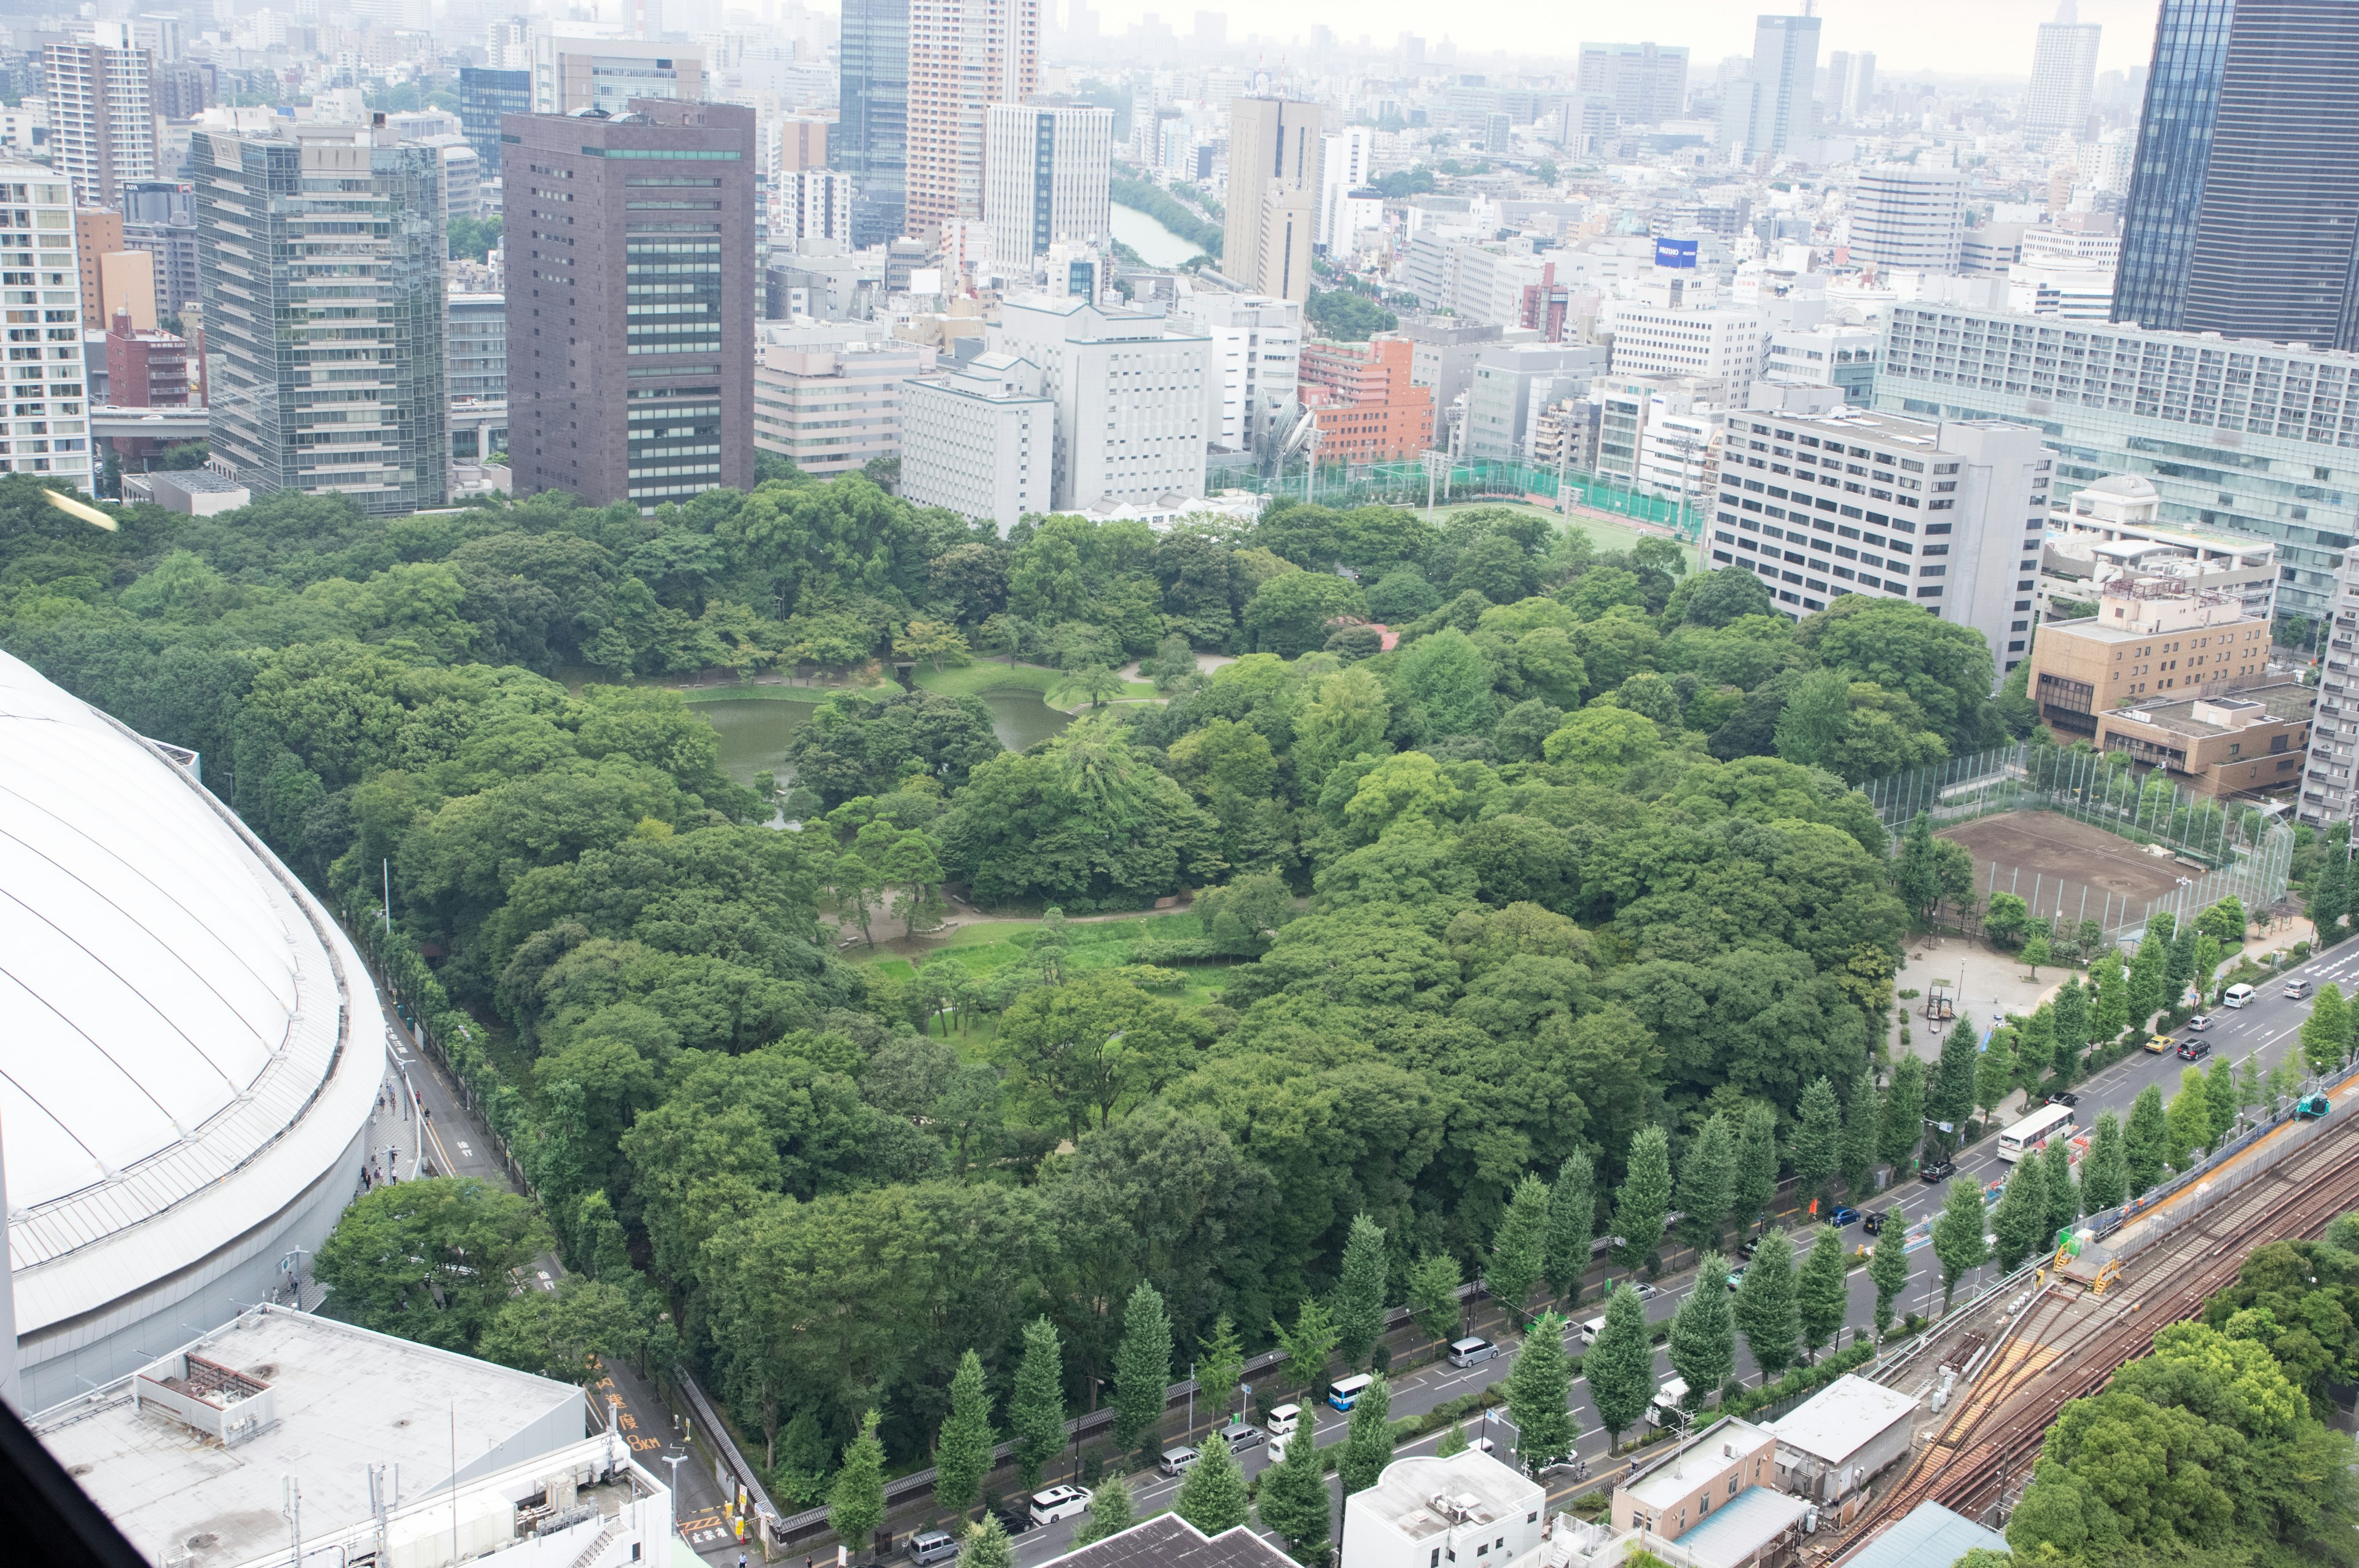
1606,534
994,674
986,947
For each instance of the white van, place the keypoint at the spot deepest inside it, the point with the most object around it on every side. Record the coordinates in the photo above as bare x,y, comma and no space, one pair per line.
2297,988
1283,1419
1471,1351
2238,996
1593,1328
1665,1410
1176,1461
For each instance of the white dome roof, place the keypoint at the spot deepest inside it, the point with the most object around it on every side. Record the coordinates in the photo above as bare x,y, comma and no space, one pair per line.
173,1004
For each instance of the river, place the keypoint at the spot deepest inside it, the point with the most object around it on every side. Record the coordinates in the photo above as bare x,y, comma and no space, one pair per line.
754,730
1155,245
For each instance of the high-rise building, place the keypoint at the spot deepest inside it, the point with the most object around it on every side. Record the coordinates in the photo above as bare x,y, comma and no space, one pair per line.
1644,82
1717,343
1948,515
1910,215
802,142
38,286
1048,169
98,231
810,204
964,57
1860,86
2330,778
1509,380
1364,403
1838,74
483,96
476,343
2244,207
570,73
1348,164
1276,151
146,368
1129,391
2064,73
632,302
872,139
1768,110
320,254
101,112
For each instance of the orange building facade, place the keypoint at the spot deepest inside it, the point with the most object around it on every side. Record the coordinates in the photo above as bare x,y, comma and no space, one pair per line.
1360,397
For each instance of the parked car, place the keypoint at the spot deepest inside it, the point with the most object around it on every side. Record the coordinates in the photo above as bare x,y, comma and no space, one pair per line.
1646,1293
1872,1221
1843,1216
1735,1279
2194,1050
2158,1044
1471,1351
1283,1419
1940,1170
1015,1519
2067,1100
930,1546
1176,1461
1059,1502
1242,1437
1748,1246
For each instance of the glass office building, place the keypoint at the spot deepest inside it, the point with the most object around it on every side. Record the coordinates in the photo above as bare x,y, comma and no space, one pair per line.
483,96
872,139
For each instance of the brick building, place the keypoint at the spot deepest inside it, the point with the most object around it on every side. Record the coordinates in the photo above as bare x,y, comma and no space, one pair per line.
146,367
1364,403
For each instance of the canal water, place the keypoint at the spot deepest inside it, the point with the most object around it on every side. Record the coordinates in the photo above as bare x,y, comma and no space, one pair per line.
754,730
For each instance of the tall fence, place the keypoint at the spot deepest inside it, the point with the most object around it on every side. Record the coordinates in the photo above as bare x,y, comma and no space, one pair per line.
1411,484
2234,850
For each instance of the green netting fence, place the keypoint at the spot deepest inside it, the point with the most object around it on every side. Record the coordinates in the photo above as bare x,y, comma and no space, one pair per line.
1476,479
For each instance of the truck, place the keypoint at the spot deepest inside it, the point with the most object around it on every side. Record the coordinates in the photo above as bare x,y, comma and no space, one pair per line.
1665,1410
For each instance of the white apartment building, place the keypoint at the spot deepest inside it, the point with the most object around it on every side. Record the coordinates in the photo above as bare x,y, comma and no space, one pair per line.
2067,291
1667,426
2114,528
2063,72
1819,500
1255,364
1469,1508
1130,394
2330,778
101,112
1910,216
979,440
830,402
809,204
1349,165
1047,169
1716,343
1510,381
1832,355
49,428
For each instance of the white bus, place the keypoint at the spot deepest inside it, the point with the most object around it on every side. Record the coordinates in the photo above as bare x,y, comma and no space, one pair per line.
2030,1135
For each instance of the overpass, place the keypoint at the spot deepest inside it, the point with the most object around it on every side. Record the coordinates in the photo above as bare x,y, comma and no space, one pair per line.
181,424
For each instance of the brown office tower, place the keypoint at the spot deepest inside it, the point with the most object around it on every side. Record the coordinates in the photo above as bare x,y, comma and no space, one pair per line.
964,55
632,300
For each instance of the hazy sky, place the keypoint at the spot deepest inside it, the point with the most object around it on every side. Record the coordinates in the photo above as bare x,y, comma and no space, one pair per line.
1977,37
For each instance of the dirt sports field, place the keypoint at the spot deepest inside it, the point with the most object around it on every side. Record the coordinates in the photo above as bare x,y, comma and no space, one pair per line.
2053,849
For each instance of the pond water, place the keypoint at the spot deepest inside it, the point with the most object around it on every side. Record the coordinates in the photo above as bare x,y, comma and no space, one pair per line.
754,730
1155,245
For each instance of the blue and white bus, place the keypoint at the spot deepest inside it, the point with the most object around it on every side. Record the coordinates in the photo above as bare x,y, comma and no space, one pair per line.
1347,1391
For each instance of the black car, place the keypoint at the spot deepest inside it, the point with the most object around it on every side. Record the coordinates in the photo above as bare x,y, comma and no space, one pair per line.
1872,1222
1749,1246
2069,1101
1937,1173
2194,1048
1014,1520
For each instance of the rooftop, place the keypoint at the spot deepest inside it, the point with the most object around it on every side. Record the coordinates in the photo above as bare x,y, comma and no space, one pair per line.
1718,1448
1425,1495
197,482
2284,702
1929,1537
1731,1535
343,1397
1842,1419
1166,1540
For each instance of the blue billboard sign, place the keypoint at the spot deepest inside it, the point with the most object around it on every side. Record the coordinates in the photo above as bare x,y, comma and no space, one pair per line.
1675,253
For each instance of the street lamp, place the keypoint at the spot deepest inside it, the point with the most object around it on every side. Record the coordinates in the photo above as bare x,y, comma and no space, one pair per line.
674,1460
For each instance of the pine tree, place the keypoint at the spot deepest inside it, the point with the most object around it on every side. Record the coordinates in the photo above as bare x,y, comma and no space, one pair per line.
1360,1294
1888,1265
985,1545
1294,1505
1951,1095
1308,1346
2220,1088
2326,1032
1822,1290
1368,1440
1111,1512
2330,899
1573,1221
1904,1113
2063,1193
2186,1122
2104,1172
1645,1198
1214,1497
1433,1296
1620,1367
1036,1405
2144,1141
1539,1396
855,1505
1859,1141
962,1450
1520,1247
1703,1333
1142,1367
1817,1143
2021,1217
1220,1364
1765,1307
1756,1164
1957,1242
1707,1182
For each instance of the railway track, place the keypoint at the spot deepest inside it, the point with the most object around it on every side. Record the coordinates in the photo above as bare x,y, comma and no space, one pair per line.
2070,1342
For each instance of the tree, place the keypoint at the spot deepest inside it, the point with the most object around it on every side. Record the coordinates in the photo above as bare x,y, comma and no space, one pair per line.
1360,1294
1539,1396
1644,1200
1888,1265
1957,1233
912,863
2186,1122
1995,1072
1817,1143
2020,1220
2104,1173
1572,1218
568,1334
2220,1089
1368,1440
1214,1497
1620,1366
1111,1512
1142,1367
1949,1098
1454,1441
2004,921
1220,1364
1756,1164
2063,1193
2144,1141
1036,1405
963,1452
1703,1333
1707,1182
1433,1296
1098,684
1821,1291
2037,952
1294,1504
1291,613
1904,1113
2326,1032
985,1545
1308,1345
2225,923
2146,983
1765,1309
2071,1013
855,1505
1858,1148
2110,1013
933,641
429,1260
